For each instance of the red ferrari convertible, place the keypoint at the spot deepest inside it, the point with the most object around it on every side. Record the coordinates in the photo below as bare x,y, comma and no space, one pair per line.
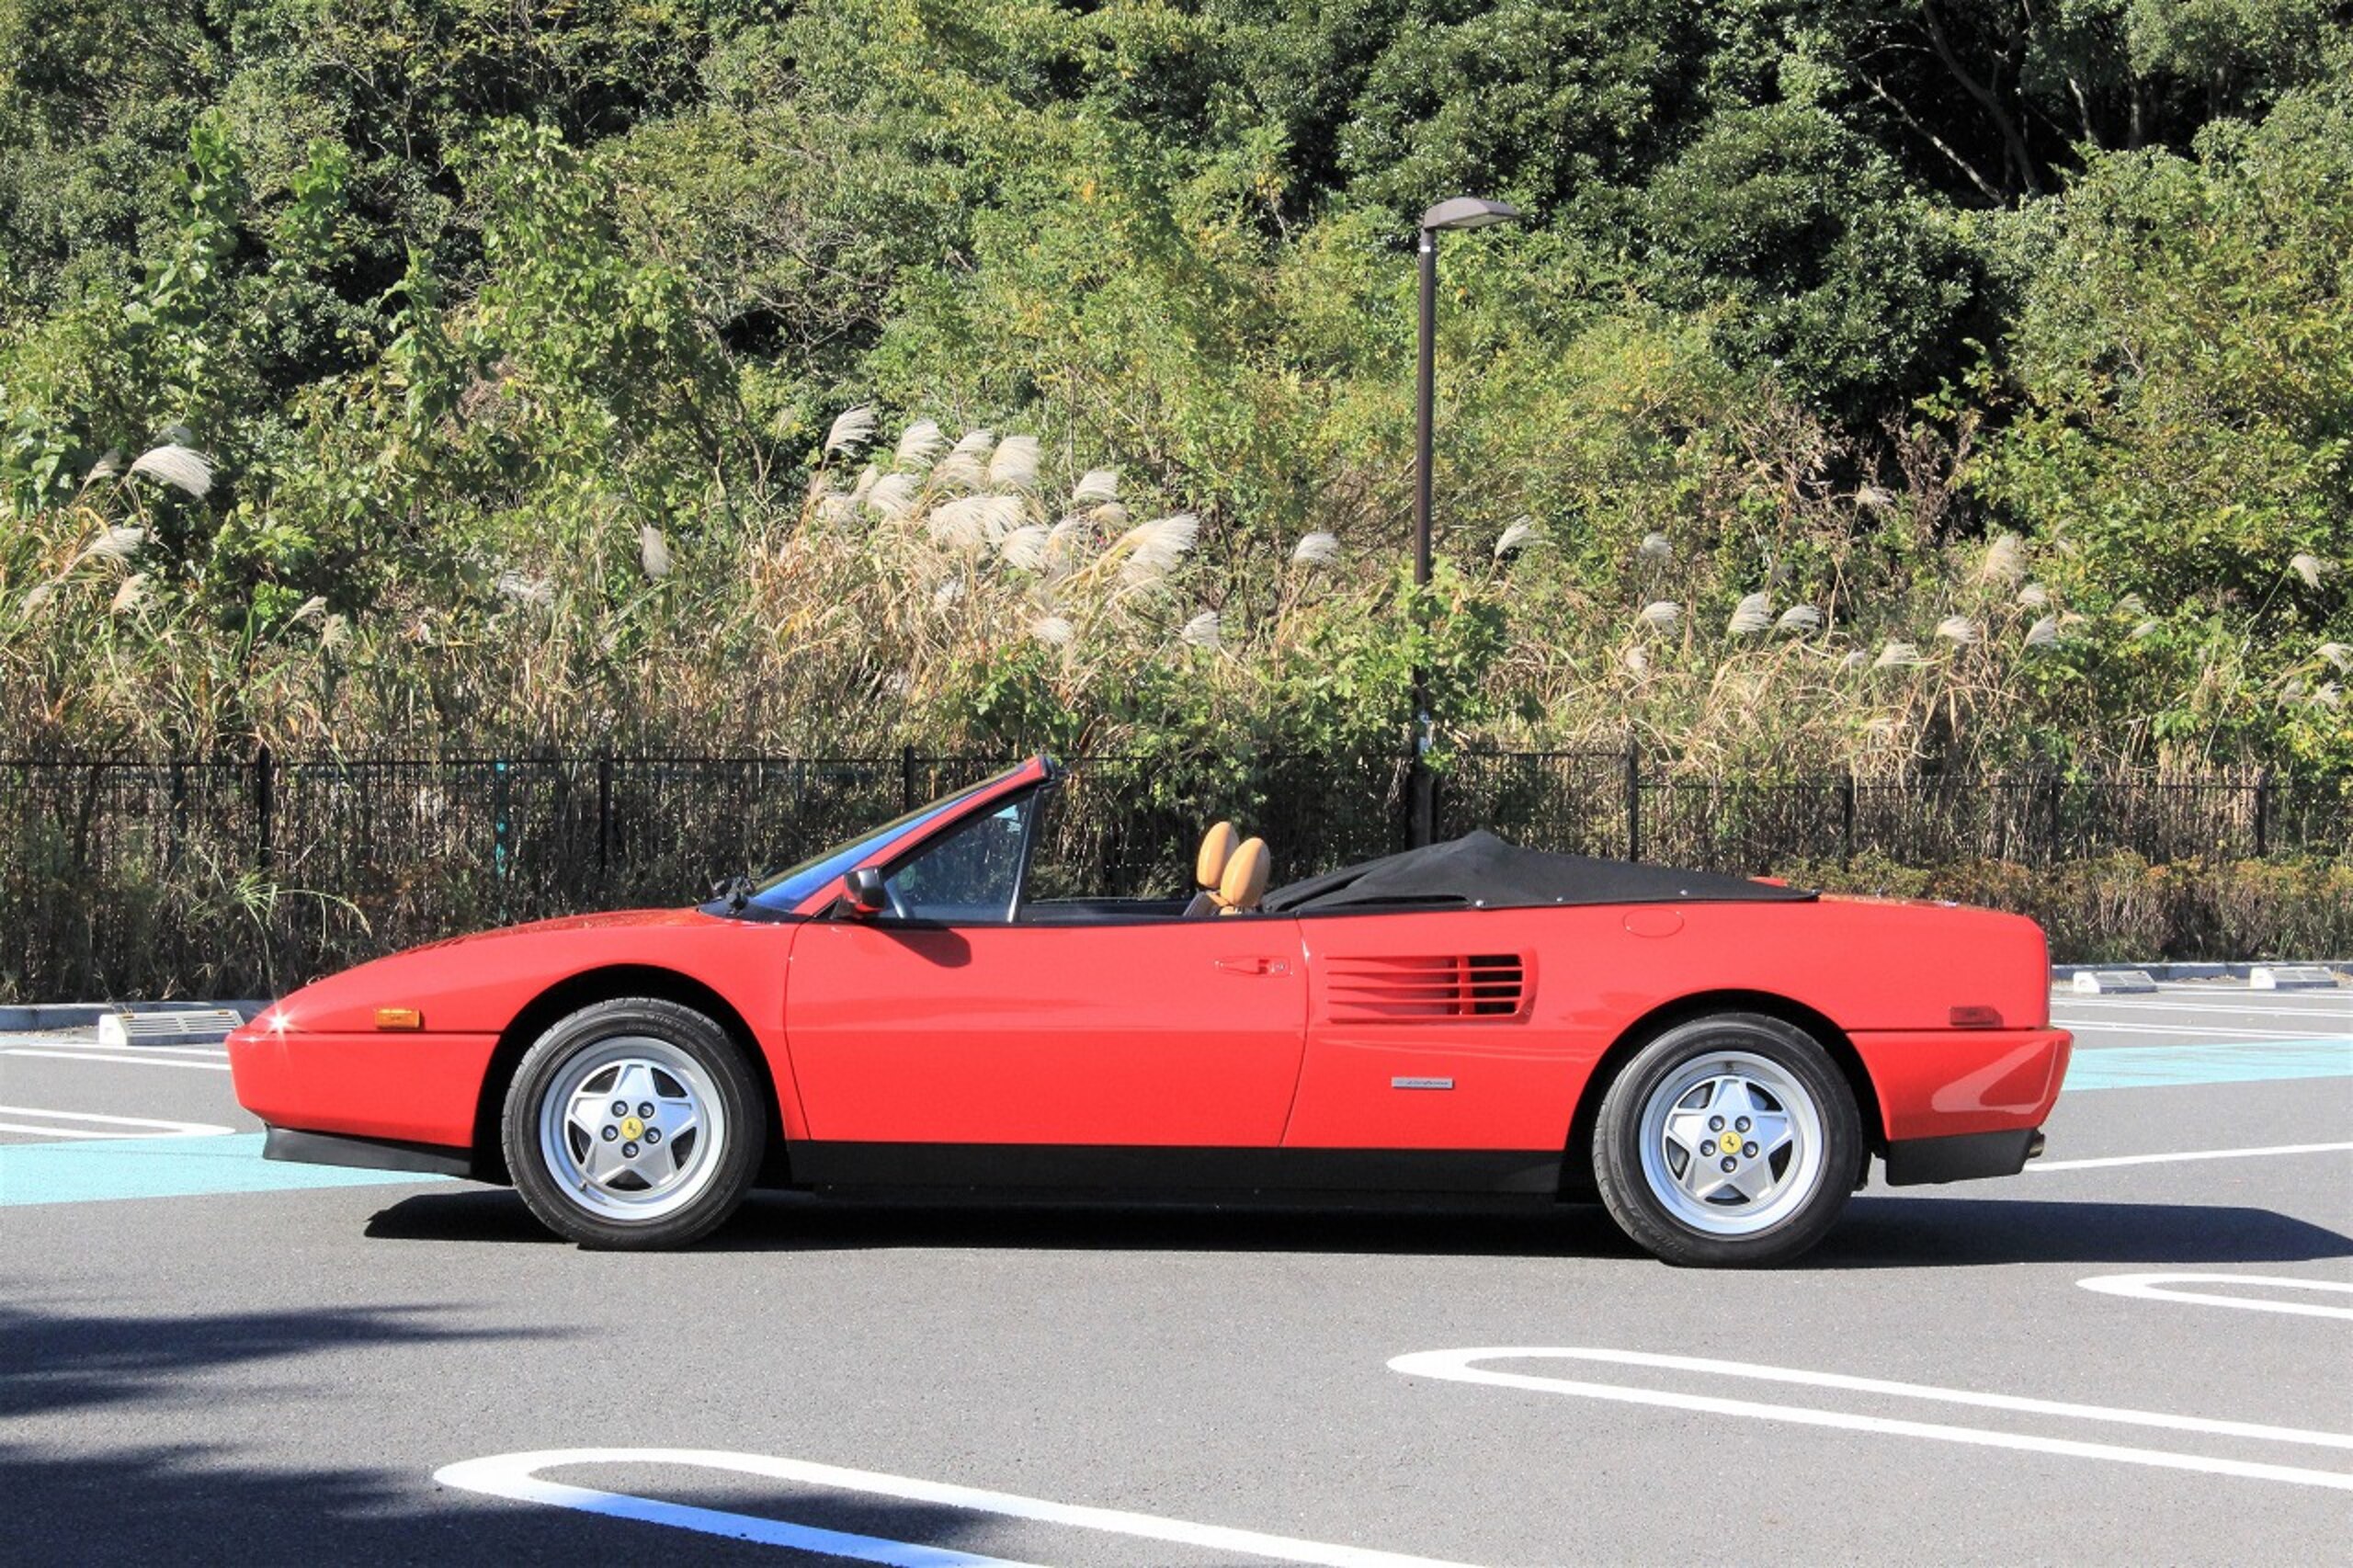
1717,1059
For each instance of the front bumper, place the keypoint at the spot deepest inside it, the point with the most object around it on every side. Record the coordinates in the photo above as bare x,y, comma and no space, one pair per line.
409,1088
366,1154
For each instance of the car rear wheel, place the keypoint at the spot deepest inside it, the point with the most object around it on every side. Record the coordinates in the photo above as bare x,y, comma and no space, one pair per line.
1728,1142
633,1124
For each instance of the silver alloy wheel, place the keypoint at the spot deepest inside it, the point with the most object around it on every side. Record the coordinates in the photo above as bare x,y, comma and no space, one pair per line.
1732,1144
632,1128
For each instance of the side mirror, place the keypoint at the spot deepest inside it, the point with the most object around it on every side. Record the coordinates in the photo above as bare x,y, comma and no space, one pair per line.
862,890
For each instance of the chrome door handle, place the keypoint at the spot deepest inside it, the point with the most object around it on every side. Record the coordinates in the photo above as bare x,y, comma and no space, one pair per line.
1255,966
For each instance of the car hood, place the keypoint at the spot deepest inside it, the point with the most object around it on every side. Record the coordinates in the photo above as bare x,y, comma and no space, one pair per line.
475,982
617,919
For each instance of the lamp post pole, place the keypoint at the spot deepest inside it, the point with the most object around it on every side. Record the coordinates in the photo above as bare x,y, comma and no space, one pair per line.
1461,213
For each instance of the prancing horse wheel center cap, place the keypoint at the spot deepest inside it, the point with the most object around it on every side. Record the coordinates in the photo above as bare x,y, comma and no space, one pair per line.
632,1126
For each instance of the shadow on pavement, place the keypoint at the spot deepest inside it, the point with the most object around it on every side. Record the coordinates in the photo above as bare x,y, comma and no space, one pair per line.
1944,1232
87,1480
188,1505
1877,1233
62,1361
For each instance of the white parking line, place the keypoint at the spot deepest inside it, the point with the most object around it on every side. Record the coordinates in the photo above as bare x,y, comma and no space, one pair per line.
2196,1031
2189,1154
92,1047
515,1477
2334,1007
2182,1287
149,1127
1456,1365
134,1061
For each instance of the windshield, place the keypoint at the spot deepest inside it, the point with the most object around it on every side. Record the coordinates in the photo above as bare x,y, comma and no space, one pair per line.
787,889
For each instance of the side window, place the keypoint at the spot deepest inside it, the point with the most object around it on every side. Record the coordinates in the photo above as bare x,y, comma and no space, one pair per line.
970,877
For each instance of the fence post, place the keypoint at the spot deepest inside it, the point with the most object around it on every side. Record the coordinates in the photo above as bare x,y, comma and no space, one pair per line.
2056,852
1633,799
498,833
264,802
1846,818
604,815
907,801
175,820
2262,811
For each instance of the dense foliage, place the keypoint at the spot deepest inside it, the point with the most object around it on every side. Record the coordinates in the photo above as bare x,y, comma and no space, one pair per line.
1876,384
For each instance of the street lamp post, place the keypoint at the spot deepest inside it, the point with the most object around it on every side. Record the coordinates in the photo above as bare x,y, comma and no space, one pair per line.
1459,212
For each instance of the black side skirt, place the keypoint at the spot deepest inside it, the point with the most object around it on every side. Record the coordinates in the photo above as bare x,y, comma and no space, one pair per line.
366,1154
1129,1169
1916,1161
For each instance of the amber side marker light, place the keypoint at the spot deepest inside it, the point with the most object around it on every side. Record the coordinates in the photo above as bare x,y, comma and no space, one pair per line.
1976,1017
399,1018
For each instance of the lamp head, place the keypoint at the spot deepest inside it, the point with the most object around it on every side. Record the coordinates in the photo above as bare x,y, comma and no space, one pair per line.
1469,212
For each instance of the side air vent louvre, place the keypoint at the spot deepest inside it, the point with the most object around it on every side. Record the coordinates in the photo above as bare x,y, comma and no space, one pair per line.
1402,989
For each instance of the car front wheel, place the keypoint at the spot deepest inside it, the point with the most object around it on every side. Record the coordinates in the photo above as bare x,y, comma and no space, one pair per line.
1729,1141
634,1123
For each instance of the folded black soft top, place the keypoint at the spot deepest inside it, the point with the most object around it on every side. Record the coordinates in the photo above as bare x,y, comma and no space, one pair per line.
1481,871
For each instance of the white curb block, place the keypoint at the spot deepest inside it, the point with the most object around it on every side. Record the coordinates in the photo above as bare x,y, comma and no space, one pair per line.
2113,982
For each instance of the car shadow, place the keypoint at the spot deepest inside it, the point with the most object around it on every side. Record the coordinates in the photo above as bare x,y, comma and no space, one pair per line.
1878,1232
1949,1233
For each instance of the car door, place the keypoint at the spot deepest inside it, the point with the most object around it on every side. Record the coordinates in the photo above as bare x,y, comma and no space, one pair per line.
947,1021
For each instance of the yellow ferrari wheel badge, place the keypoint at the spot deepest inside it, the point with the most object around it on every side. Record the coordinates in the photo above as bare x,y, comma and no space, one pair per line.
632,1126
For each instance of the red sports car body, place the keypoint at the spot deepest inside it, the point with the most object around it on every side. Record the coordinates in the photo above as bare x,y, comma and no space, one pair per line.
1721,1065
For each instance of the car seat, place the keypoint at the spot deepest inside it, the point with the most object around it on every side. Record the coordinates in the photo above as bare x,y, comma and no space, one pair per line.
1245,883
1209,867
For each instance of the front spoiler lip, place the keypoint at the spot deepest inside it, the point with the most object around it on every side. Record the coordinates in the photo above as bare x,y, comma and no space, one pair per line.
365,1154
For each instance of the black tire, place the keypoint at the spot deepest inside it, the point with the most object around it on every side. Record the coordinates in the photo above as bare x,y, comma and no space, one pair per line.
674,1060
1680,1078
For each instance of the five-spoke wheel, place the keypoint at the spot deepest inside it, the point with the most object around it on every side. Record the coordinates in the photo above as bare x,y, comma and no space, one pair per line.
634,1123
1728,1139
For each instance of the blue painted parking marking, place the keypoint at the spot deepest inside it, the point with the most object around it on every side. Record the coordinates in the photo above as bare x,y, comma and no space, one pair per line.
97,1169
2224,1062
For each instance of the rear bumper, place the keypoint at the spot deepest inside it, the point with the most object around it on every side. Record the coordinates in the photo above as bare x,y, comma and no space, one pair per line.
1918,1162
1938,1085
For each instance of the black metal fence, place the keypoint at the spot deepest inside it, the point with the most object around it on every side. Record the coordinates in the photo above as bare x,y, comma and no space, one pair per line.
131,878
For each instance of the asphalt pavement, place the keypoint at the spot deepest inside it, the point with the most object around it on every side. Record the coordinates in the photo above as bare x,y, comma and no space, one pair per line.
2136,1351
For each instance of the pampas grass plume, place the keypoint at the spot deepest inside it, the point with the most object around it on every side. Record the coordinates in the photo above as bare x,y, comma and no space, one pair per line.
1318,549
853,427
1014,464
1153,548
918,444
180,467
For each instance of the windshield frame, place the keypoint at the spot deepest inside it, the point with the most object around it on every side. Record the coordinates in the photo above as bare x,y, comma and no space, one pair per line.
810,887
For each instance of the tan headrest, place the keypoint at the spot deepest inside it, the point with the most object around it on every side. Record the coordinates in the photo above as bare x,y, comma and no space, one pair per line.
1245,877
1217,849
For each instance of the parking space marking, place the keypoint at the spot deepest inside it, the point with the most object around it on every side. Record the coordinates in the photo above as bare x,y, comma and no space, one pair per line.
515,1477
2217,1062
2201,1032
2088,1008
2184,1287
86,1055
90,1124
1456,1366
2046,1165
104,1169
